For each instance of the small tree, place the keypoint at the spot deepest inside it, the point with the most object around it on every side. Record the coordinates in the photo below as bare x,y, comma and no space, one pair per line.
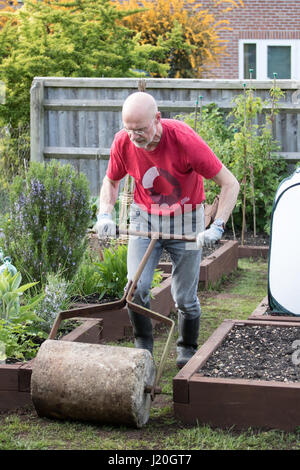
189,33
79,38
249,151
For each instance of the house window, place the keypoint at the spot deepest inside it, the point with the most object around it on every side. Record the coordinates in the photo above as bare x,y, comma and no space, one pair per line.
249,60
279,61
266,57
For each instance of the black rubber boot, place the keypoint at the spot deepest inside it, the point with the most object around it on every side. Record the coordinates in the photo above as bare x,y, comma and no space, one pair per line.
187,342
142,331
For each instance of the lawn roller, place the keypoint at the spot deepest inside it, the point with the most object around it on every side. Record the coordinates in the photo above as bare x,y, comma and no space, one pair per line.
100,383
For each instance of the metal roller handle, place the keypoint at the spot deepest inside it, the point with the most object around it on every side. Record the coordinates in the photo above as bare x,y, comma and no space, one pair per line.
154,236
157,235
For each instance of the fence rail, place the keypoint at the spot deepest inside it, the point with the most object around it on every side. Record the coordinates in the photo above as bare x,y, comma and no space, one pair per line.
75,119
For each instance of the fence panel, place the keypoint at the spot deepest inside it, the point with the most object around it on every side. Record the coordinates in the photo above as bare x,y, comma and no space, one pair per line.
75,119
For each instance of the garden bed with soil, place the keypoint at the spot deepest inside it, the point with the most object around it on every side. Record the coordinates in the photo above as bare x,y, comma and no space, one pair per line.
253,246
245,375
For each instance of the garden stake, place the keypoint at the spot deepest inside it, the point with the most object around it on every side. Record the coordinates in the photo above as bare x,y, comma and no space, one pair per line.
100,383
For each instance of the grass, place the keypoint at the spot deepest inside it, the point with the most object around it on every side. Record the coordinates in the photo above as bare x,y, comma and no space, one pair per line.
236,298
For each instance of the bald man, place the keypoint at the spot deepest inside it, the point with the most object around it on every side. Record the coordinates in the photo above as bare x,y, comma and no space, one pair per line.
168,161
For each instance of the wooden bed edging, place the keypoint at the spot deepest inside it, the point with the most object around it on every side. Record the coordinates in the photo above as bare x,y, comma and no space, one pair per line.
260,314
224,260
251,251
241,403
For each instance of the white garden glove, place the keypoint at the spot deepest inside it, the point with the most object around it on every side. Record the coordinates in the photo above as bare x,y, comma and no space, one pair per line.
105,226
212,235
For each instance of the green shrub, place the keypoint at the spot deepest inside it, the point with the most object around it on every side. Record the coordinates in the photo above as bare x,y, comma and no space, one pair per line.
48,219
87,278
10,293
21,340
112,272
20,334
107,278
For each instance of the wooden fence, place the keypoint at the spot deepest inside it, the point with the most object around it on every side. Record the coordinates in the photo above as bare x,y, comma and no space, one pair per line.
75,119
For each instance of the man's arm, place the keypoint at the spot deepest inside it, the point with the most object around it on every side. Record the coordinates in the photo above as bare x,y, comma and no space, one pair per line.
229,192
108,195
105,226
227,199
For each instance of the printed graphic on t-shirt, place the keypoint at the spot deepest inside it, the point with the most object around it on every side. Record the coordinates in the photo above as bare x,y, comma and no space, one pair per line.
163,187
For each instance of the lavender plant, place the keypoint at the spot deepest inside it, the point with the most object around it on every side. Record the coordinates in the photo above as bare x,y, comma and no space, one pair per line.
48,220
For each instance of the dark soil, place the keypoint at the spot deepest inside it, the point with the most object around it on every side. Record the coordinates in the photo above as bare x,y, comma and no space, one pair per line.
92,299
256,352
261,239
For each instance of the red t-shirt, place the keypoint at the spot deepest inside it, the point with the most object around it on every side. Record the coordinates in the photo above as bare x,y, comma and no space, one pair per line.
170,177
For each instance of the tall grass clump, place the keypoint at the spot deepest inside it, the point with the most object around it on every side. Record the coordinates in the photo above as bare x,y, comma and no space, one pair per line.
49,213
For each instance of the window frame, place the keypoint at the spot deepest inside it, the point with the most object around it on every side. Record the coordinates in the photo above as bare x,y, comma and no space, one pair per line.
262,57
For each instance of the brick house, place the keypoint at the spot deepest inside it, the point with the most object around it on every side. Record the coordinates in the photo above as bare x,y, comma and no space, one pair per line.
265,37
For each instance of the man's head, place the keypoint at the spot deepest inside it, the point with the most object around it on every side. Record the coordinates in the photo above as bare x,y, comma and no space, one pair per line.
141,120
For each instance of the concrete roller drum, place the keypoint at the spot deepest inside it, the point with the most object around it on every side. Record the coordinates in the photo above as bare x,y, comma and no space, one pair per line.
92,382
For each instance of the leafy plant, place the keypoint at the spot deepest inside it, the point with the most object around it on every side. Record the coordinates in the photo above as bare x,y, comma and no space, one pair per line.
252,146
21,339
87,278
48,220
10,293
113,272
94,206
19,330
14,154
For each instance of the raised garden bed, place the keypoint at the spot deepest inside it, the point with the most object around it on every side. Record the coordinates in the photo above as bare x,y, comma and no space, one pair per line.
248,251
224,260
263,312
116,323
15,378
253,246
241,379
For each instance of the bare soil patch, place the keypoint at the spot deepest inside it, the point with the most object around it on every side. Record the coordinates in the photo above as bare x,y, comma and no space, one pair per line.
256,352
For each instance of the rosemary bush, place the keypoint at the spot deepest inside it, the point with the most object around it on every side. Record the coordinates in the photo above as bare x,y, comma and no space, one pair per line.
48,219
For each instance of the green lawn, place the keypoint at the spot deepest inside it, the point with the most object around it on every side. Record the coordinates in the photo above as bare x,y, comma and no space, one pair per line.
235,298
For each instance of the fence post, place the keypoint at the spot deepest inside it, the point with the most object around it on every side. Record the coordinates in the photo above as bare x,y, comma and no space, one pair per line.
37,130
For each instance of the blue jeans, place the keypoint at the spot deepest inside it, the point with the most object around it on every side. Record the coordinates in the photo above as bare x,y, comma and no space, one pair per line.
185,273
185,267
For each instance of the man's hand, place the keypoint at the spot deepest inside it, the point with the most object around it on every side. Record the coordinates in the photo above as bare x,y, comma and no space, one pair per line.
212,235
105,226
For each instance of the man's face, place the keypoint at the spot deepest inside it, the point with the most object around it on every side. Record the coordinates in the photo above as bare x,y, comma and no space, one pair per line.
141,133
